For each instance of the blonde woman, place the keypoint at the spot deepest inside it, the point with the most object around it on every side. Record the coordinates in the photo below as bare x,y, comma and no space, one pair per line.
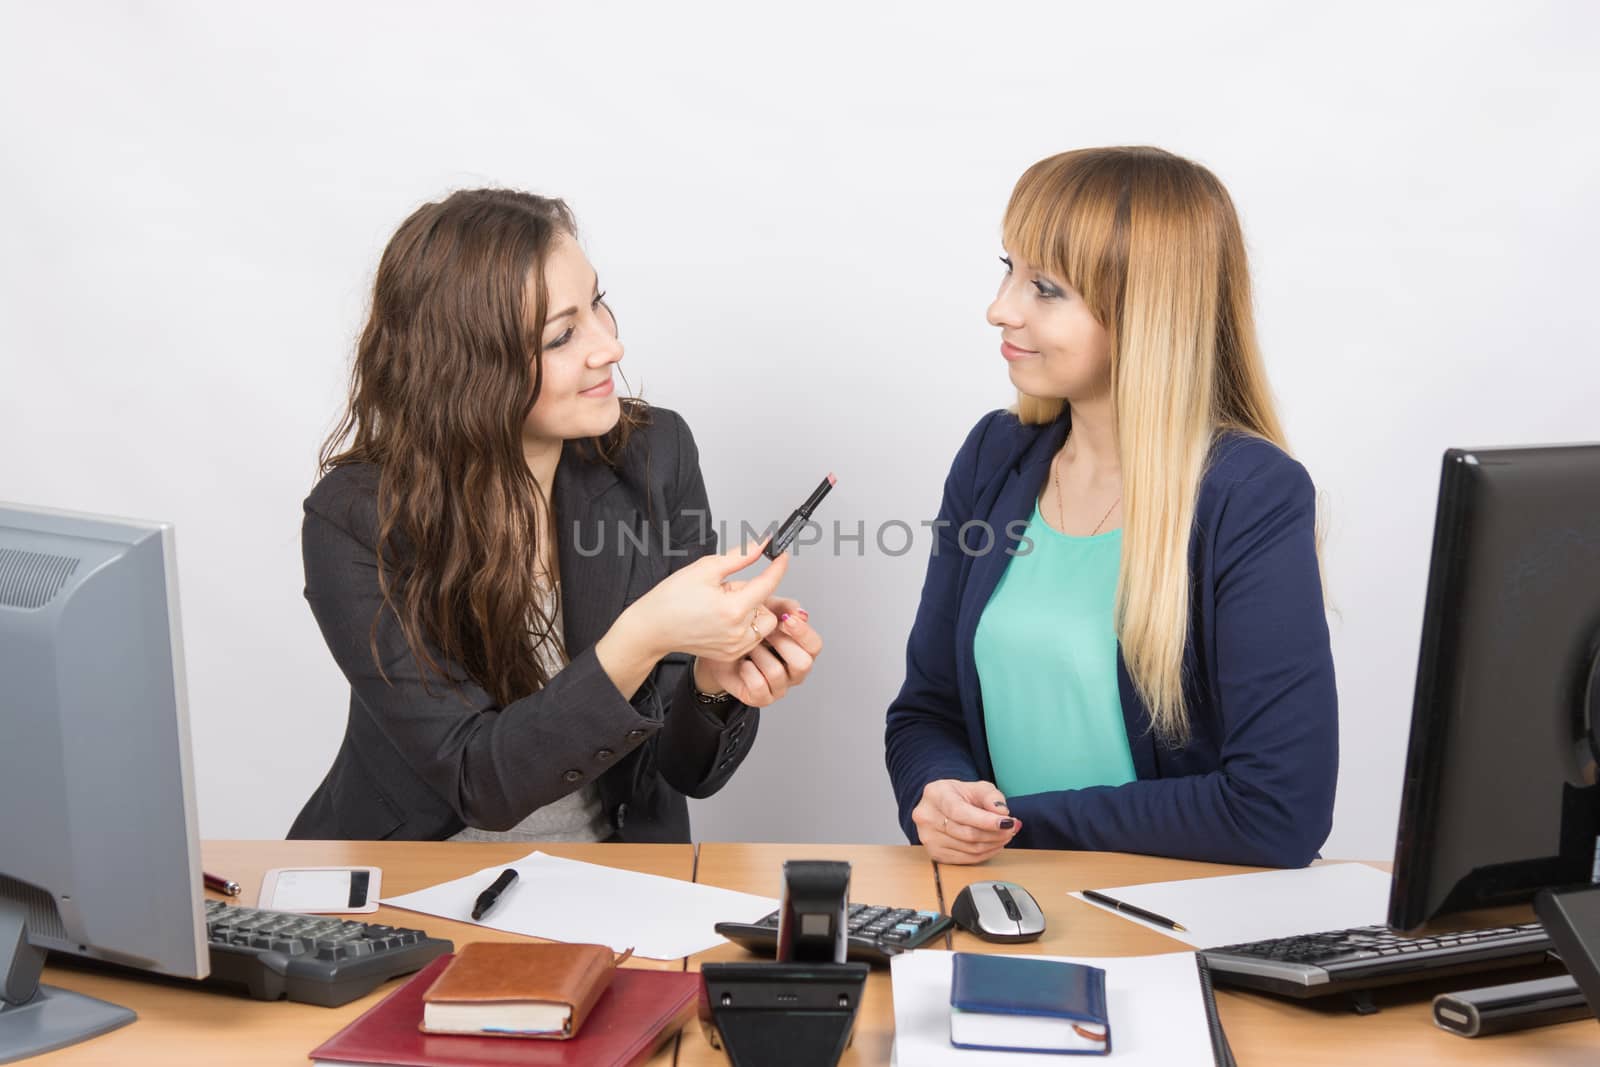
1121,643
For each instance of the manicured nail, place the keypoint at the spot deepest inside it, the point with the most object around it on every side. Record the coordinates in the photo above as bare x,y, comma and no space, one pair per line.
1006,824
784,617
804,614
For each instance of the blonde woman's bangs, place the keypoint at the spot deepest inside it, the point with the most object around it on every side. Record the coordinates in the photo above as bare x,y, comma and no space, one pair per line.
1068,217
1065,222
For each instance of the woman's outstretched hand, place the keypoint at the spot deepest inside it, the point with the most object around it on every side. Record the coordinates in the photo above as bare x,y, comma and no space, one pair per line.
699,610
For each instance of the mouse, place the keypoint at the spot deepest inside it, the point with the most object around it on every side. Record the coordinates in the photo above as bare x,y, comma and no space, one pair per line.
998,911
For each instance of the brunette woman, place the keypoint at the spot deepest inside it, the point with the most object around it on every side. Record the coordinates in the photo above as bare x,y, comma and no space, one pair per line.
516,569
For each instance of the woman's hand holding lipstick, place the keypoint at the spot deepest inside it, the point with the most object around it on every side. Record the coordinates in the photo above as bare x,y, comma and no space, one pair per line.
768,671
785,654
747,641
696,610
699,610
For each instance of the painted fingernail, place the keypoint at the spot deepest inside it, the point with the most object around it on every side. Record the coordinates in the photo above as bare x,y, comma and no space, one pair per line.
1006,824
784,617
804,614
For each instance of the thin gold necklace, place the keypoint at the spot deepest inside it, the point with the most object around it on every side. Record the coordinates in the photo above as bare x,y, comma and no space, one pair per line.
1061,503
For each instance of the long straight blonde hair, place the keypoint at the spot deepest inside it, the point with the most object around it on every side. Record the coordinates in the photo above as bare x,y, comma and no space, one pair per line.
1152,243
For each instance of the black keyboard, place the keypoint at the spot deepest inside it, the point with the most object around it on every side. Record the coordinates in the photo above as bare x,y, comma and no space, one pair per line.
313,959
876,931
1338,961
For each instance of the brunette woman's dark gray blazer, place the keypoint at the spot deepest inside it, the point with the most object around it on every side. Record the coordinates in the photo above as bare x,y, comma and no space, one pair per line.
420,761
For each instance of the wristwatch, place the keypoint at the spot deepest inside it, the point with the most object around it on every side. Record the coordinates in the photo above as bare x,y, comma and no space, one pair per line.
702,697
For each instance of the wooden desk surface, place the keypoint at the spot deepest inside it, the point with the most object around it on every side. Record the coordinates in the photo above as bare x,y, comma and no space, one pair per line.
178,1025
1261,1029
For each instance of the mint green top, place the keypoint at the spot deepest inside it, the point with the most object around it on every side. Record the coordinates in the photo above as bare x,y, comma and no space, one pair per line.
1046,652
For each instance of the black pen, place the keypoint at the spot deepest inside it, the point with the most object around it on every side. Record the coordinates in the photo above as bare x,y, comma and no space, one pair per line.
1140,913
487,898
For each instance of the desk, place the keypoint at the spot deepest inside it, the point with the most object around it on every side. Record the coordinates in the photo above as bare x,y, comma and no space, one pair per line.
1261,1029
178,1025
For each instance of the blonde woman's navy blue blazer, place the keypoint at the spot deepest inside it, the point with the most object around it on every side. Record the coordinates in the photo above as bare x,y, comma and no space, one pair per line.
1254,784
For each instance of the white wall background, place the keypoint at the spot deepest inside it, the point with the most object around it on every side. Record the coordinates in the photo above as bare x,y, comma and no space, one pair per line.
796,216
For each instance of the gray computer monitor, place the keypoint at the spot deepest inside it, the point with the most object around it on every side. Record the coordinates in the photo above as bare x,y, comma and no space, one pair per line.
99,847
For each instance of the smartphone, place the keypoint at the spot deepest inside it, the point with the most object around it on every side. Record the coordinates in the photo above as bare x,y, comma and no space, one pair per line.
321,890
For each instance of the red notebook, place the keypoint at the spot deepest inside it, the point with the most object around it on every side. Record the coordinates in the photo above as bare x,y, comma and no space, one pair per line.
638,1013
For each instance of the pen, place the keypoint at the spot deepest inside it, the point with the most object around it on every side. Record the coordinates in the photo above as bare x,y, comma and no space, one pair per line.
220,884
487,898
1147,916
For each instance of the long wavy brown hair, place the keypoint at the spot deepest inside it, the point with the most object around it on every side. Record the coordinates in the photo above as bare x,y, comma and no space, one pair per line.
445,373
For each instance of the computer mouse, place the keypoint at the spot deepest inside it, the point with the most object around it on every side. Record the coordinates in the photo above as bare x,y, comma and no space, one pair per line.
998,911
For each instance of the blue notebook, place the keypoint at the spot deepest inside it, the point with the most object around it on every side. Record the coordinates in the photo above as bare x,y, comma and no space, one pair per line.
1011,1003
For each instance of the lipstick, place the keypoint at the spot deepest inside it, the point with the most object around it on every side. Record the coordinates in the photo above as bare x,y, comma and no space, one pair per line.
797,519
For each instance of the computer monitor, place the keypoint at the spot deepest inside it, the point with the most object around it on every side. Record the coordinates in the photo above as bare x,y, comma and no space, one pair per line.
99,848
1500,796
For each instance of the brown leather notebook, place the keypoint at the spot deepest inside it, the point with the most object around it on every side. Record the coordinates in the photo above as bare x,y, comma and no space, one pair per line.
518,990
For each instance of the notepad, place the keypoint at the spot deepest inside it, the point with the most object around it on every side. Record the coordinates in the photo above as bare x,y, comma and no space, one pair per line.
1155,1003
1020,1003
1237,908
518,990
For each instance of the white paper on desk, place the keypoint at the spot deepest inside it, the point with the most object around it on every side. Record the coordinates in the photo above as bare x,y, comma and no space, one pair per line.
1236,908
566,900
1157,1013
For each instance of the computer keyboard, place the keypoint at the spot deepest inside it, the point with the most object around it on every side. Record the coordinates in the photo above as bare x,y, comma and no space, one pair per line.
876,931
1338,961
313,959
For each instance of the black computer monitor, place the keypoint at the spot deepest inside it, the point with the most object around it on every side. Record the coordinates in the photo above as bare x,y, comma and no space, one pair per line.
99,848
1500,796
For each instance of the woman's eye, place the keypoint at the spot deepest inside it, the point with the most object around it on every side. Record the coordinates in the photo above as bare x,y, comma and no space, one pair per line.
600,298
1049,292
1007,261
566,335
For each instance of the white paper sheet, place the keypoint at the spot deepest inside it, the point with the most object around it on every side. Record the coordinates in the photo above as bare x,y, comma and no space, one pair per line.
566,900
1251,907
1157,1014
